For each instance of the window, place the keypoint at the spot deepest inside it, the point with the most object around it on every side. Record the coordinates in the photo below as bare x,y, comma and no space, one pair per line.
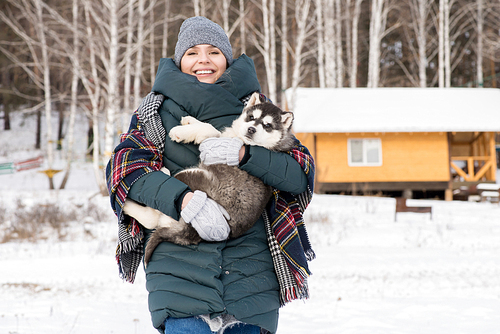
364,152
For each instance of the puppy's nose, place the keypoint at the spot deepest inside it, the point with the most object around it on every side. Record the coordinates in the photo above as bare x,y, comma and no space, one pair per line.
251,130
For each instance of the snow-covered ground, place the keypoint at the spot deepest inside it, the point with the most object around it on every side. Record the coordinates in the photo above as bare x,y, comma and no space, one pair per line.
372,274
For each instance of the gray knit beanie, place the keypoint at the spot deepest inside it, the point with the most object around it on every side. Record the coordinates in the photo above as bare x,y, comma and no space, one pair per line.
200,30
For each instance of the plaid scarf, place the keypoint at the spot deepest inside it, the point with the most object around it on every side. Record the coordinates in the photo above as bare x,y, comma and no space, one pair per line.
286,234
132,158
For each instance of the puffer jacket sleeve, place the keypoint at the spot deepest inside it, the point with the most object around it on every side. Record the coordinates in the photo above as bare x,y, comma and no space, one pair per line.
159,191
277,169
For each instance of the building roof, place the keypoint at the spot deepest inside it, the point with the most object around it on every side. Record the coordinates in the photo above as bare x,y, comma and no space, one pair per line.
353,110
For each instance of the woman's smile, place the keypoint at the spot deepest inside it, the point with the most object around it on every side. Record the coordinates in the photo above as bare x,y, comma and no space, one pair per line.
205,62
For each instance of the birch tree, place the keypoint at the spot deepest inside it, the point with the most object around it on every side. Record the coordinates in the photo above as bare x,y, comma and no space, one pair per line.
419,11
354,53
330,43
321,43
165,30
338,44
243,30
421,20
479,52
92,84
377,26
127,75
111,65
74,97
152,57
46,89
304,31
40,71
284,51
378,29
139,54
444,44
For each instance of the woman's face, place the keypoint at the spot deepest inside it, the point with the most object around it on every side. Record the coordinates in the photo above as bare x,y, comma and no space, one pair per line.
205,62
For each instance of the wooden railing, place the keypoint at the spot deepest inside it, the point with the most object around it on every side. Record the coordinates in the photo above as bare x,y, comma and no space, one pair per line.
470,175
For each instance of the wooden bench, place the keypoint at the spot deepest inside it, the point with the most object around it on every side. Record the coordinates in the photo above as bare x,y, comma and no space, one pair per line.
402,207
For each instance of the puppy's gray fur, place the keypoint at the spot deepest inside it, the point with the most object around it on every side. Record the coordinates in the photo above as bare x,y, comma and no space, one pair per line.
243,196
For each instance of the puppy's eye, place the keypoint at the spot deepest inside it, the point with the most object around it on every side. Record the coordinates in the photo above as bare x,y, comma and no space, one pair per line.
251,118
267,126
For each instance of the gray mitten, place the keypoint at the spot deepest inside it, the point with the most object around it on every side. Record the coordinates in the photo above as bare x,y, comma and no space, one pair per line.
220,151
207,217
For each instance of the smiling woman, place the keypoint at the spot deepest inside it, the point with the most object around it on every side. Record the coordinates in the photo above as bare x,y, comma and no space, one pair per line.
206,62
221,285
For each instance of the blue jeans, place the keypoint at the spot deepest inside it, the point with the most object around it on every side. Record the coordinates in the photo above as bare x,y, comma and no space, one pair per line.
194,325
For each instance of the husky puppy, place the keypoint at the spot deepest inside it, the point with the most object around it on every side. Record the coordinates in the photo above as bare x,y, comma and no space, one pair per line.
243,196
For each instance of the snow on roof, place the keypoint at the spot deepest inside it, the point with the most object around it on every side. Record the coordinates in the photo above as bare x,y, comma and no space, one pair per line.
352,110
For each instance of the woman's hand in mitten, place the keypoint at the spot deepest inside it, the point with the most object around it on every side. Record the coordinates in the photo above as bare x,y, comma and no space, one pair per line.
221,151
207,217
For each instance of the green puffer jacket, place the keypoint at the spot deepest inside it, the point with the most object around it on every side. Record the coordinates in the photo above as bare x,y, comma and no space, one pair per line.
236,276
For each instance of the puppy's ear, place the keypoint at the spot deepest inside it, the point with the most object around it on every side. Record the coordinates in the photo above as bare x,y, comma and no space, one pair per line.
254,100
287,119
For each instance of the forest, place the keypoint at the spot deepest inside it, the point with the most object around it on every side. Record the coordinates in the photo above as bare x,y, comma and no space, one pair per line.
99,57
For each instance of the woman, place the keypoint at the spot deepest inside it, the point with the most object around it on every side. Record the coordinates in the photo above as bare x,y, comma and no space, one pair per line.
221,286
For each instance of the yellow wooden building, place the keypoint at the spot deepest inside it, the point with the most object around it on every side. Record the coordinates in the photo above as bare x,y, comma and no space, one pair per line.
398,139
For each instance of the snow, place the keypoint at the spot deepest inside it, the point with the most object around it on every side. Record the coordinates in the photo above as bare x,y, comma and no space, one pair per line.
372,274
339,110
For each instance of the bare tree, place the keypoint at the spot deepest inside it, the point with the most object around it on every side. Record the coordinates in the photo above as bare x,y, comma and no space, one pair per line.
378,29
165,30
330,44
46,89
284,50
128,61
74,97
354,53
139,54
243,31
304,31
479,52
39,70
321,43
338,44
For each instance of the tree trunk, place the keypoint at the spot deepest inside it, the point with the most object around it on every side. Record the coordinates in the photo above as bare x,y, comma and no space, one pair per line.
243,31
164,44
441,44
338,44
112,75
272,22
152,60
47,90
376,30
330,44
284,52
6,99
127,75
138,59
353,82
447,45
480,22
74,96
422,42
60,125
321,44
38,134
301,16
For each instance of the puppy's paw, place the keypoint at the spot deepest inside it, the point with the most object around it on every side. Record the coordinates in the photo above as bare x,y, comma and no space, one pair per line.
182,134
